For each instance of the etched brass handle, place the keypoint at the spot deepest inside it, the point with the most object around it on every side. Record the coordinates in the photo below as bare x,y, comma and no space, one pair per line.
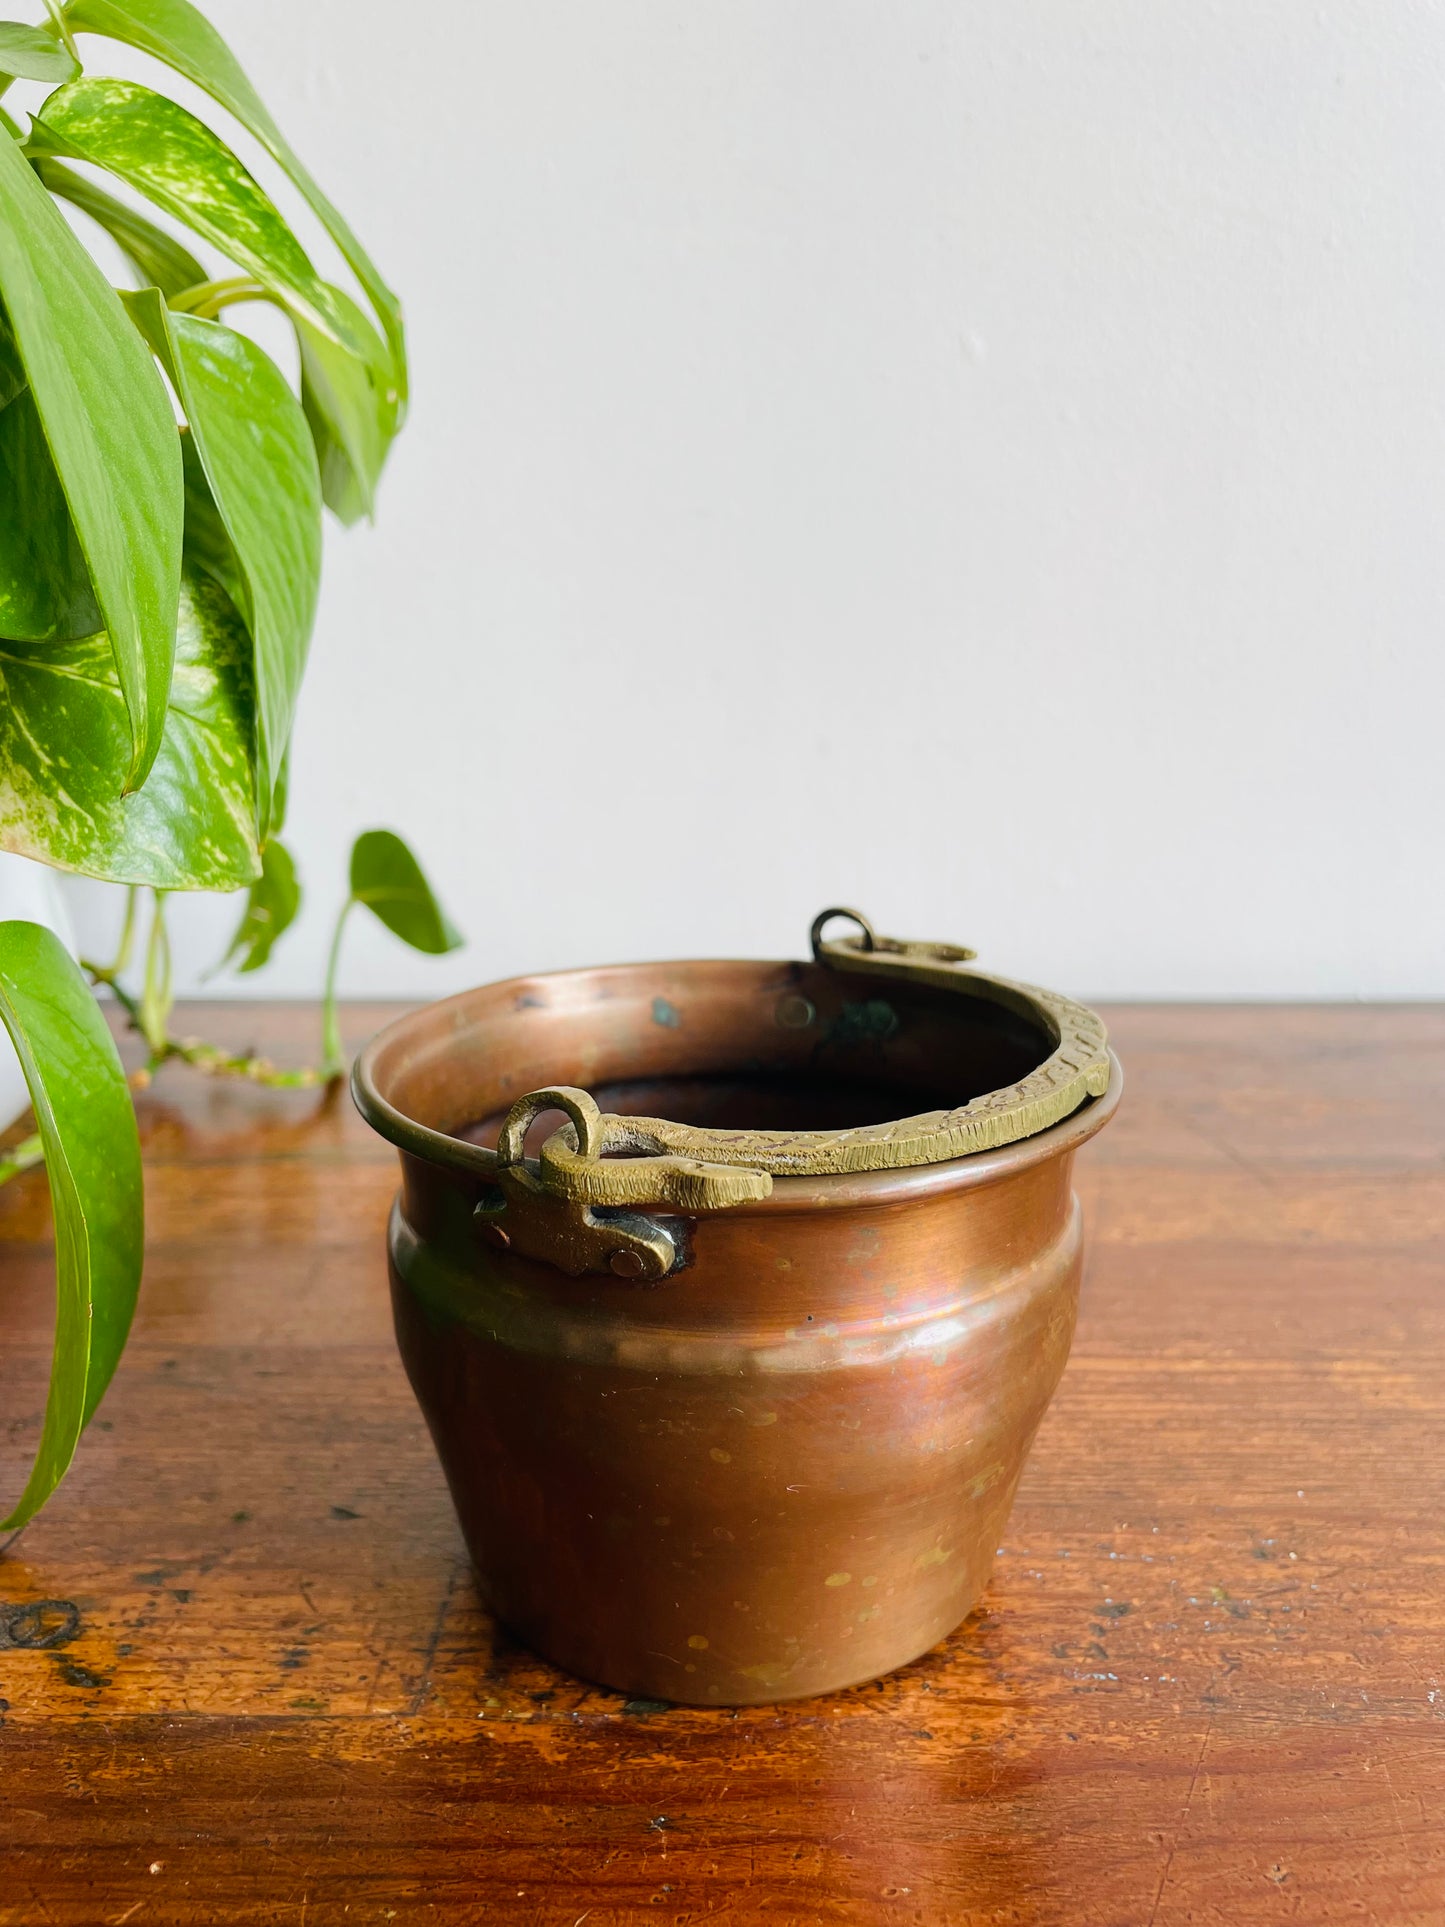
652,1175
649,1175
550,1211
1075,1069
548,1214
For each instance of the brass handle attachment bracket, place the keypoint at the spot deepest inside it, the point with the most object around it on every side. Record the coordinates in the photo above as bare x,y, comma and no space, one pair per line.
573,1211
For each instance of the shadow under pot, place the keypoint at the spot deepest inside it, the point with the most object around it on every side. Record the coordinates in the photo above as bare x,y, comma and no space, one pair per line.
734,1293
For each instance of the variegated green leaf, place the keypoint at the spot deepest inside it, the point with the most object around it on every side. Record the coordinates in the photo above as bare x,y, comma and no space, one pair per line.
271,906
353,413
63,747
13,380
174,32
28,53
255,450
281,795
92,1161
387,878
158,258
208,547
44,584
165,153
112,435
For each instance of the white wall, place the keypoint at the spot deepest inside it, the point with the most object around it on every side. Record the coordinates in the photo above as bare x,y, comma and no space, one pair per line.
979,459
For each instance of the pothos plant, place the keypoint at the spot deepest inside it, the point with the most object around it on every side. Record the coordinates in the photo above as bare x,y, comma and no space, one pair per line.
161,493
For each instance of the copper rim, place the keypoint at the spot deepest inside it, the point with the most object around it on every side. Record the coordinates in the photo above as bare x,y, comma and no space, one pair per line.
889,1185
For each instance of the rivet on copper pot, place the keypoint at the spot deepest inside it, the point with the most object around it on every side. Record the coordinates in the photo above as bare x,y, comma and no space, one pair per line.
627,1264
795,1013
494,1235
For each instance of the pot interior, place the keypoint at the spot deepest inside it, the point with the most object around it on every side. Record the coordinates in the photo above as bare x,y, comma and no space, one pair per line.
730,1046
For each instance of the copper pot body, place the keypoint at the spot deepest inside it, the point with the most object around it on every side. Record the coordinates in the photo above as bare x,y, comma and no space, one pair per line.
786,1467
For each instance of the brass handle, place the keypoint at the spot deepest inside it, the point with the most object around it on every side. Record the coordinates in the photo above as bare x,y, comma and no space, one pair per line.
845,950
581,1109
549,1214
825,917
550,1211
1076,1068
650,1175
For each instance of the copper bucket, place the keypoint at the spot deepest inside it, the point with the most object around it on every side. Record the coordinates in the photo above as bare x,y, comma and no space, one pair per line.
733,1364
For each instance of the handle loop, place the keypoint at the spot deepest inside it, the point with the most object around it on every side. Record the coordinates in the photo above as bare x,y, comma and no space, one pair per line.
581,1109
825,917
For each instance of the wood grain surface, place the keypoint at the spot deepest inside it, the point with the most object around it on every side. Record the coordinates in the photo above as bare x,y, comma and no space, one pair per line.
244,1676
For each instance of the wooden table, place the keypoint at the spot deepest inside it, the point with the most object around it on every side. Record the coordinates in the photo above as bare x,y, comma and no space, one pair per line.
1207,1685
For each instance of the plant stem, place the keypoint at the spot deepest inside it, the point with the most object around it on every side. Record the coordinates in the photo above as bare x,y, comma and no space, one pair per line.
60,27
333,1054
100,974
127,937
216,1062
20,1157
123,997
150,1015
194,1050
155,999
207,298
